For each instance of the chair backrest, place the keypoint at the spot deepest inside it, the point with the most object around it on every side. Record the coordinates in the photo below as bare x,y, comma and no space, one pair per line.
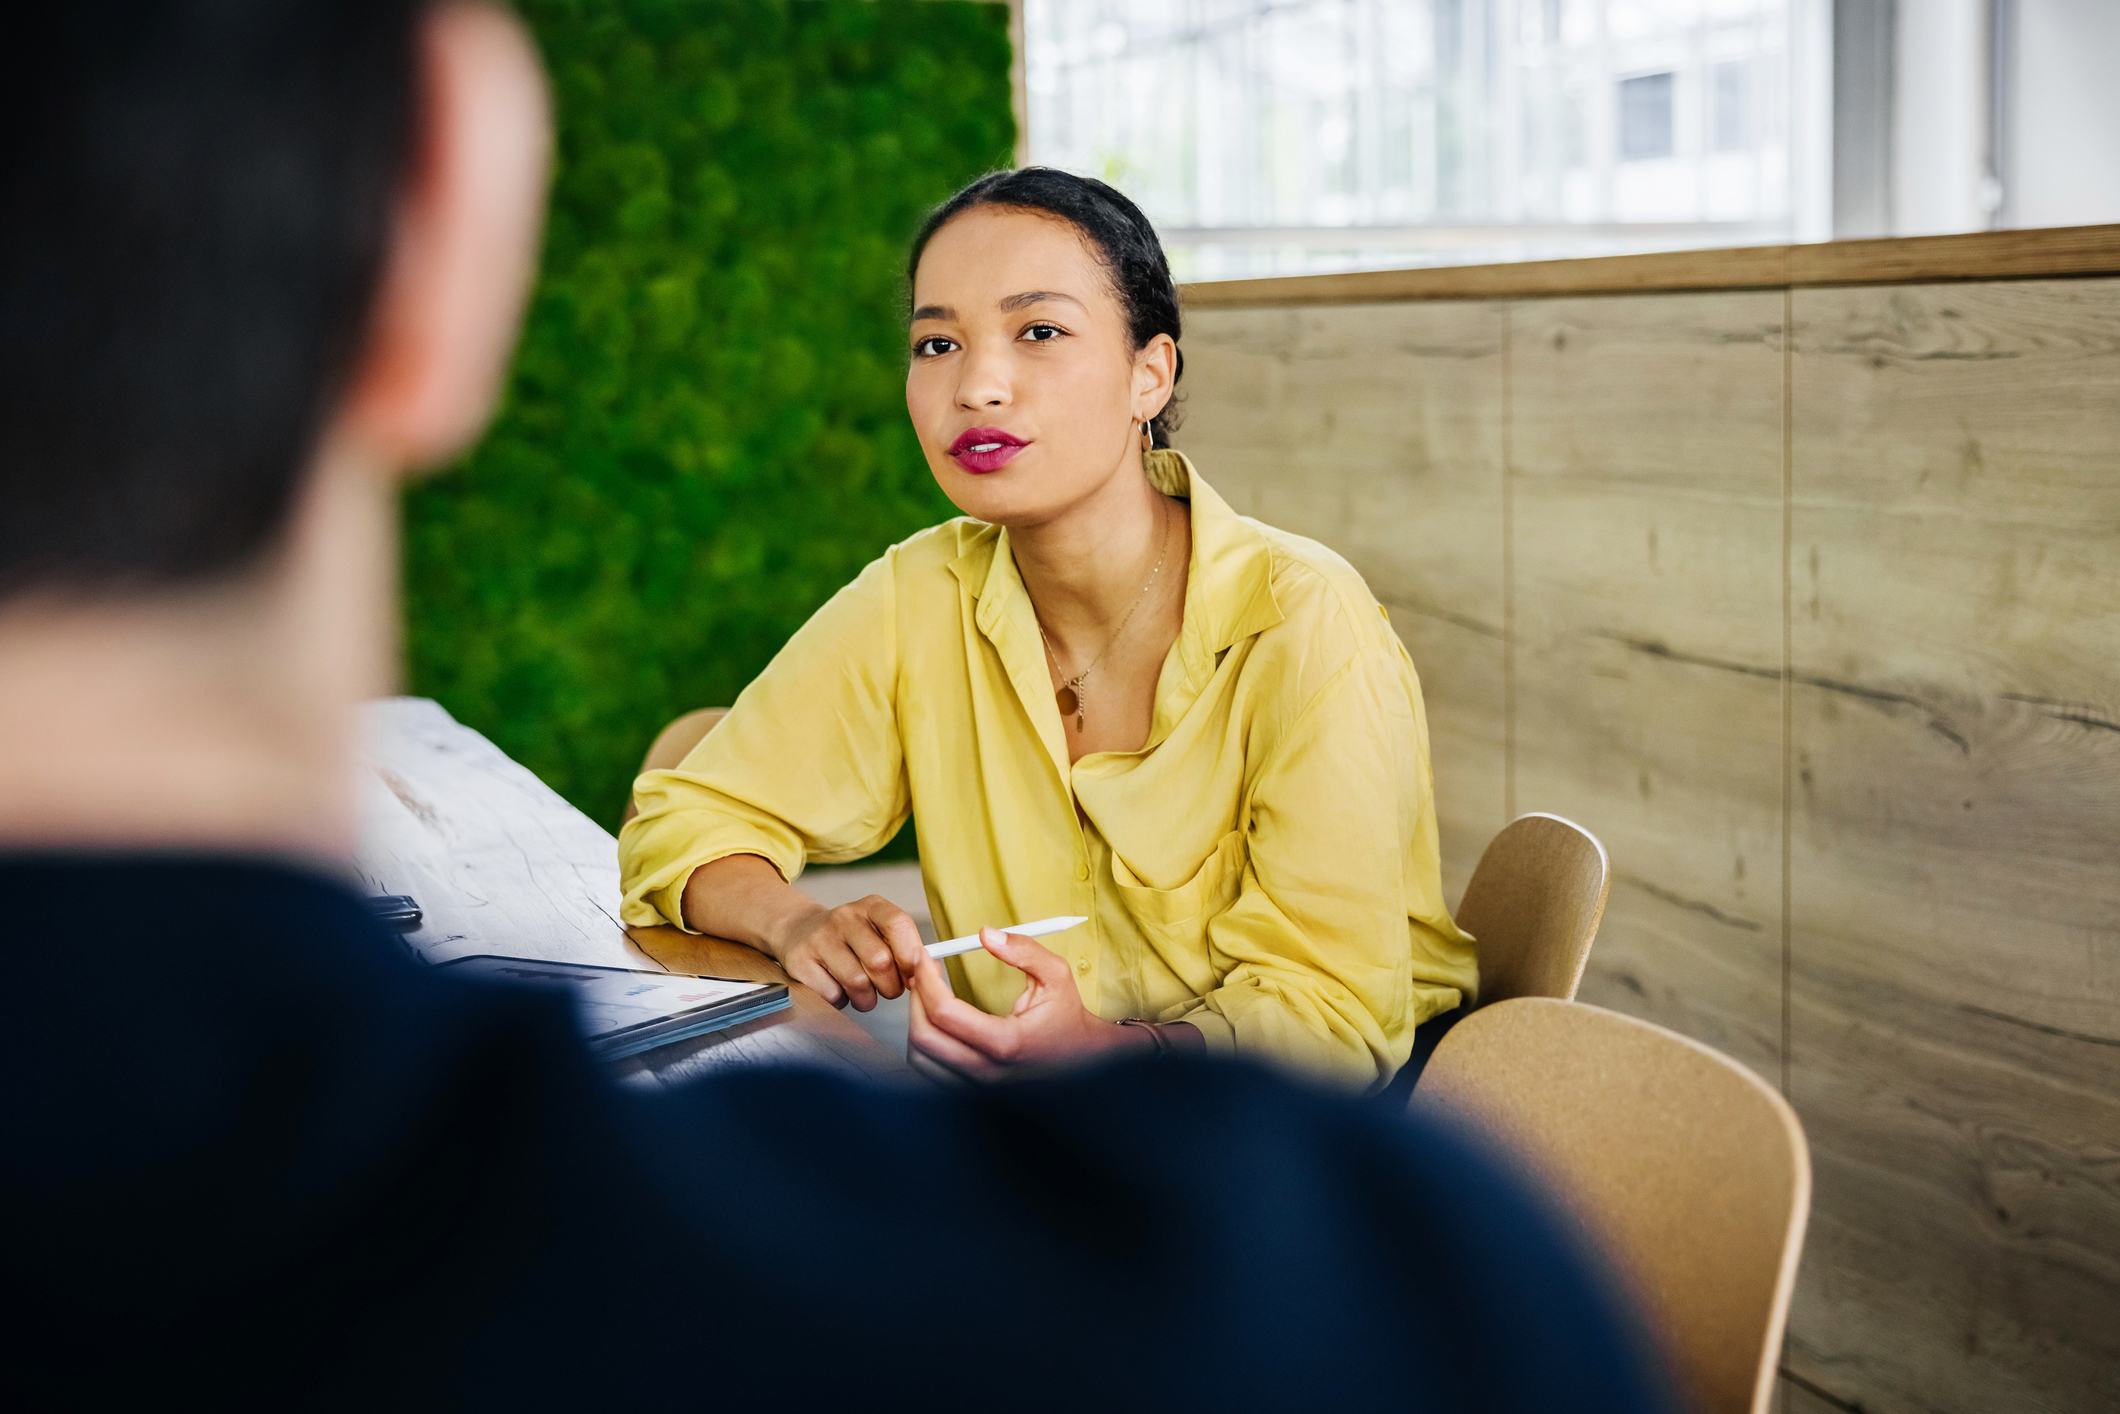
1533,905
1688,1170
675,742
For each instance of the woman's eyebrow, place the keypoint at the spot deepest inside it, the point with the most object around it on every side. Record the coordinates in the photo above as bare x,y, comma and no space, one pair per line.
1028,297
1036,296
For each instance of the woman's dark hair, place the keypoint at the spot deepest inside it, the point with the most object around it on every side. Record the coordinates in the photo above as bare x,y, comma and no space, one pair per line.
1116,230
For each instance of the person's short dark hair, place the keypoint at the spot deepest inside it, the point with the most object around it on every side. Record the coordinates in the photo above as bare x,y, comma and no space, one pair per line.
1122,237
195,208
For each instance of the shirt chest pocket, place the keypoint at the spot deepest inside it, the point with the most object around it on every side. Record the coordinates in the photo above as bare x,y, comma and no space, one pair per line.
1211,888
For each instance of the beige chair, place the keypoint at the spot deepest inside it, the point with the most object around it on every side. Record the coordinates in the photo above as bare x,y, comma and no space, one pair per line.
1534,903
1688,1170
675,742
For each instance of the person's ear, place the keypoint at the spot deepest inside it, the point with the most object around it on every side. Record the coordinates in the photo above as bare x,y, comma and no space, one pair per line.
463,250
1155,375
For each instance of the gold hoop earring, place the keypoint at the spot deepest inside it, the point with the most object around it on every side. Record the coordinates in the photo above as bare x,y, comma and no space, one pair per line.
1148,439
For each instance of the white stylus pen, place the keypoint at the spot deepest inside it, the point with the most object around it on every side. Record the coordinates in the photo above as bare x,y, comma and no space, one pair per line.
951,947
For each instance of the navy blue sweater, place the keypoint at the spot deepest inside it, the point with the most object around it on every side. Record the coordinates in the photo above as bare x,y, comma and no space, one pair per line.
255,1153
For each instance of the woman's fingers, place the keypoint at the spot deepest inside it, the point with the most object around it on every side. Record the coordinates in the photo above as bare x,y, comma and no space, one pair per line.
898,931
957,1058
991,1037
923,1040
874,953
846,969
808,971
931,988
1026,955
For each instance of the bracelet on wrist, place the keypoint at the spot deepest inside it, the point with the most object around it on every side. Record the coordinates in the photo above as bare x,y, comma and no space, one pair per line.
1161,1042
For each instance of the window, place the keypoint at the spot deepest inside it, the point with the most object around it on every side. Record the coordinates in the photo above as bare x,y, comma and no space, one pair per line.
1645,117
1292,136
1732,131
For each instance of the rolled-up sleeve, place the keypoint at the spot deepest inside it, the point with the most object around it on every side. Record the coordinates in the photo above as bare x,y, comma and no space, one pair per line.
807,767
1338,942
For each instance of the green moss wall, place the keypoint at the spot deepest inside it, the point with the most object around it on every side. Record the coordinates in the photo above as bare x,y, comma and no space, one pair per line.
705,431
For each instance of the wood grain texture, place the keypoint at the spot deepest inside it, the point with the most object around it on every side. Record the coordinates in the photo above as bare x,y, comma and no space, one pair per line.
1646,478
1464,691
499,863
1980,255
1236,424
1955,838
1737,267
1972,255
1371,431
1952,764
1800,1399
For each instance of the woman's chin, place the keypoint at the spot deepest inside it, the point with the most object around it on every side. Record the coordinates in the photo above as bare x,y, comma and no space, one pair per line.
1002,497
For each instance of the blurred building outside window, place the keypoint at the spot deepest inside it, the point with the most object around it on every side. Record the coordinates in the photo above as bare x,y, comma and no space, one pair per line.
1269,137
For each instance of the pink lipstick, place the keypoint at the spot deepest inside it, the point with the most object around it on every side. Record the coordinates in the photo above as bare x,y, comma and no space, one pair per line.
985,449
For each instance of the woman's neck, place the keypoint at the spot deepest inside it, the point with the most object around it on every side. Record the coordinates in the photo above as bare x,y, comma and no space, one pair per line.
1085,569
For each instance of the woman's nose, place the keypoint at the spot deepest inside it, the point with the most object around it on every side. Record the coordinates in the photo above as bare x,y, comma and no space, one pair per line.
982,383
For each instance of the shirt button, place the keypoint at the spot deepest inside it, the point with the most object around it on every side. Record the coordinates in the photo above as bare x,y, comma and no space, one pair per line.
1082,966
1082,869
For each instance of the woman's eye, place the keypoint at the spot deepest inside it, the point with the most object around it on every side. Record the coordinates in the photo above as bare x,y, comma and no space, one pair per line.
921,349
1048,328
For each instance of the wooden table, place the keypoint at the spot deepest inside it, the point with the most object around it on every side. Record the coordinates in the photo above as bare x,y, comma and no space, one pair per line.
499,863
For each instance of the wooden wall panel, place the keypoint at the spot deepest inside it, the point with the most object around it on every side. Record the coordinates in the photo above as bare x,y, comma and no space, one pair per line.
1795,1399
1372,430
1946,736
1955,835
1646,486
1234,400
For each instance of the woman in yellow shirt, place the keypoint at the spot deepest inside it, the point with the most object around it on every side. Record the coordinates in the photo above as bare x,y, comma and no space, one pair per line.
1101,691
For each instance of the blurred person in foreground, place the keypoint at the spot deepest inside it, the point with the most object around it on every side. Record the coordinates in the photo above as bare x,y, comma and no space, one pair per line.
256,260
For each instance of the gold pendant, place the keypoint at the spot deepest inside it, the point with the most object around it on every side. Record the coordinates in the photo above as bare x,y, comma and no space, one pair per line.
1069,699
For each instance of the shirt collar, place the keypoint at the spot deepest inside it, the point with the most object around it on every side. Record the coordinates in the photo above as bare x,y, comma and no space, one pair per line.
1228,592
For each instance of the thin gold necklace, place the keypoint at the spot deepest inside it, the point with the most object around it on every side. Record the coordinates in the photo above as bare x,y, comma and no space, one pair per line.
1073,696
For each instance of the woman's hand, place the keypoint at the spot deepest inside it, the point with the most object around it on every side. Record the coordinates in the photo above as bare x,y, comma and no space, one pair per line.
852,953
950,1038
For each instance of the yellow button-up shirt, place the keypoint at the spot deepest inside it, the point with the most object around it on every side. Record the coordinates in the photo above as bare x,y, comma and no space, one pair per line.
1265,867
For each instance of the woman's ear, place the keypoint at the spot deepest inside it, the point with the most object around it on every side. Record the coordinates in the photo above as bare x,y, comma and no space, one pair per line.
464,246
1155,375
